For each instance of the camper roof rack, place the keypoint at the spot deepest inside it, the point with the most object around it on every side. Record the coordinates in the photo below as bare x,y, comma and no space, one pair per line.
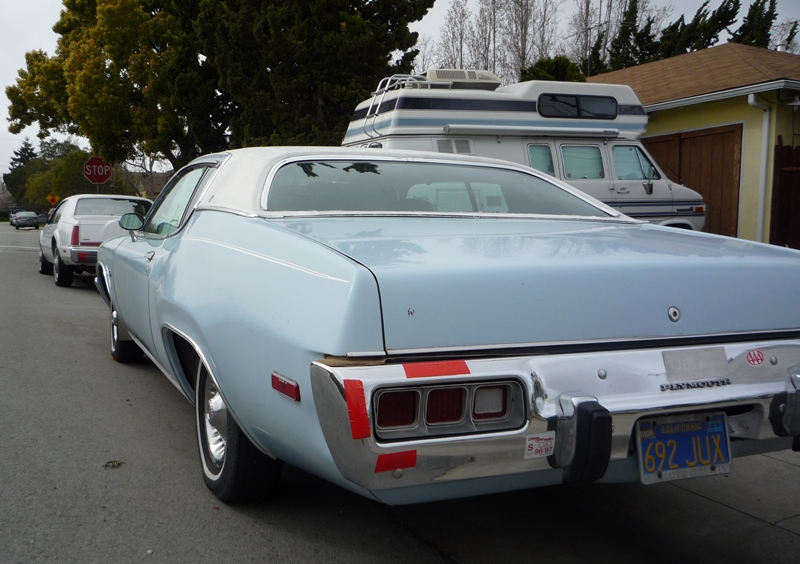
441,78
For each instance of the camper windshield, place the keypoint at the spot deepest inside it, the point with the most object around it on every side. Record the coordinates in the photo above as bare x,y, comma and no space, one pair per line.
391,186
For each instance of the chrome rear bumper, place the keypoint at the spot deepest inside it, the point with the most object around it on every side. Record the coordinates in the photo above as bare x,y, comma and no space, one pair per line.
588,403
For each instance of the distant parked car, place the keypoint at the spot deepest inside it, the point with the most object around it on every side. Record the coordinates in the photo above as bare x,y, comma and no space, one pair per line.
418,326
13,218
26,219
76,228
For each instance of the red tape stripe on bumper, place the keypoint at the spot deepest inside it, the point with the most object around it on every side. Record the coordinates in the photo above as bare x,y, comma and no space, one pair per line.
444,368
396,460
357,408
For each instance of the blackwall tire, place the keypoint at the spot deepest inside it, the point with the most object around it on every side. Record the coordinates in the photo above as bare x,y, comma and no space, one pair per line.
233,469
61,272
44,266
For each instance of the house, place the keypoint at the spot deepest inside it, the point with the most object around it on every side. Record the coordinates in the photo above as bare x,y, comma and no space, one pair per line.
724,121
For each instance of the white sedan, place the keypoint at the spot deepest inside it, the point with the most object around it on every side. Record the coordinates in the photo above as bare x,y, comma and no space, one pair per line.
76,228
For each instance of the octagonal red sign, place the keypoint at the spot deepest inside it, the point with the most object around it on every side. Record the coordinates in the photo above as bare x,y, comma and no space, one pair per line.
96,170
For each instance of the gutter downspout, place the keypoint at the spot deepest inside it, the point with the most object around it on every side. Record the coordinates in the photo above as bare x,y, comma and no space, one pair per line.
762,185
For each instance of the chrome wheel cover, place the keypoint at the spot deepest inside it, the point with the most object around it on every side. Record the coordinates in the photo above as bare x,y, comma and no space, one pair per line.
215,424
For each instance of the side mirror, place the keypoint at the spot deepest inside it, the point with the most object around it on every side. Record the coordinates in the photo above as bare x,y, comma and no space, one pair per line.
131,221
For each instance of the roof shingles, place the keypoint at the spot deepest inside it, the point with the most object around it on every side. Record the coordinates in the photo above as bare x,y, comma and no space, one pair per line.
715,69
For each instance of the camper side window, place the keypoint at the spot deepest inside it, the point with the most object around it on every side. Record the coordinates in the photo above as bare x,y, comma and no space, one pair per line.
541,158
582,162
630,163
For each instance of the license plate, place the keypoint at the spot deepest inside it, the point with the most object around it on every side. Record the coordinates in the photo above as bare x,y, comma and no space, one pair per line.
682,446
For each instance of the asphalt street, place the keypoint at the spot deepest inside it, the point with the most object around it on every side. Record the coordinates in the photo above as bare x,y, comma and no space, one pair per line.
98,463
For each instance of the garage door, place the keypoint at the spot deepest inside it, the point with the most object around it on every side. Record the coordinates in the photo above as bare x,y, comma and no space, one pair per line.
708,161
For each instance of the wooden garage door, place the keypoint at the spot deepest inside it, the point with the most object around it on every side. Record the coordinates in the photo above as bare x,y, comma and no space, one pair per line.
708,161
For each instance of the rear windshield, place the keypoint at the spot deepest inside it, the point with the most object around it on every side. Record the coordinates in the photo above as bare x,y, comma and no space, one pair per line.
111,206
392,186
26,214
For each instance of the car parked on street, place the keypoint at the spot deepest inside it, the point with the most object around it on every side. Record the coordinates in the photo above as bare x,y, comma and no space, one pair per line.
76,228
415,326
26,219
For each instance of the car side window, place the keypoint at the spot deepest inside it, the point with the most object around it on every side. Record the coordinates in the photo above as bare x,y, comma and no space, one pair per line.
170,208
57,213
541,158
582,162
630,163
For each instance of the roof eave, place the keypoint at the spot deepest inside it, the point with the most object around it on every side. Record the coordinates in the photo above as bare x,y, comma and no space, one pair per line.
724,95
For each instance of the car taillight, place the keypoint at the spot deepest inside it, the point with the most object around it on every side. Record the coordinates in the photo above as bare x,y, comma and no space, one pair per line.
76,236
699,209
490,402
397,409
445,405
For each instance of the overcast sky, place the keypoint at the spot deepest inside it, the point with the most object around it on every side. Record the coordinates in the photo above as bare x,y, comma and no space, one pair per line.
27,26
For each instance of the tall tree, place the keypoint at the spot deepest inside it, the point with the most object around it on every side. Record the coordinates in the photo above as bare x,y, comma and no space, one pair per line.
701,32
518,37
483,43
622,53
125,73
756,26
22,156
295,70
455,35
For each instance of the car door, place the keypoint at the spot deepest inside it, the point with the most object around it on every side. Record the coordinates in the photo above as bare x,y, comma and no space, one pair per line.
640,190
138,257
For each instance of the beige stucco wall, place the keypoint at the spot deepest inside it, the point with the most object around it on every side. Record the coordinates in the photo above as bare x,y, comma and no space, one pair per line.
728,112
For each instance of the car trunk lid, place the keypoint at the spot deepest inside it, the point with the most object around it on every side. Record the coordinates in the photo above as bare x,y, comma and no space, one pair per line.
477,283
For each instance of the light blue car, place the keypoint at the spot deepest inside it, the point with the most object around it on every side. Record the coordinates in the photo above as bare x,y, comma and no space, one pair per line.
415,327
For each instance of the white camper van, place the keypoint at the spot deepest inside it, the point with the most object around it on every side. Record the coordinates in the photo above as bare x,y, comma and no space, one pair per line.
584,134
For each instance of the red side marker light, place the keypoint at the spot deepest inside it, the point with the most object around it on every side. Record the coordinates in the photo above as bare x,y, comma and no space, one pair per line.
289,388
396,460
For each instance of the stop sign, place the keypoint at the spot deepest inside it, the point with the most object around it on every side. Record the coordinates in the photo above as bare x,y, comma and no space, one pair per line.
97,171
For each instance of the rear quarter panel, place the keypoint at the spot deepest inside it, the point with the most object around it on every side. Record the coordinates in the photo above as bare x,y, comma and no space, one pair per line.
257,298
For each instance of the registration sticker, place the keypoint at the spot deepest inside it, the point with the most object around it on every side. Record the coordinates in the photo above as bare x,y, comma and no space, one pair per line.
682,446
539,445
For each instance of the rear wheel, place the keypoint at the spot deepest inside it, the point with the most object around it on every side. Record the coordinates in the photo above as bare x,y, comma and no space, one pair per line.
44,266
61,272
233,469
122,350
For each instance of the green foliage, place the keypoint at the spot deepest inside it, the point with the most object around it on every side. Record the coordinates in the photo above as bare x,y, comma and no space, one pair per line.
185,77
623,51
700,33
755,29
22,156
558,68
595,63
295,70
17,179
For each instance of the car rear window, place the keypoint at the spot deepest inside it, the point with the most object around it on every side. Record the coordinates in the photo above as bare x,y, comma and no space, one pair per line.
26,214
392,186
111,206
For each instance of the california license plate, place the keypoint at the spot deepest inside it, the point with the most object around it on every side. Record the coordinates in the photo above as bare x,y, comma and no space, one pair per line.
682,446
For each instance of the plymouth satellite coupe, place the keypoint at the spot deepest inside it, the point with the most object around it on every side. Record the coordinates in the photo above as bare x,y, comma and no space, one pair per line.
415,327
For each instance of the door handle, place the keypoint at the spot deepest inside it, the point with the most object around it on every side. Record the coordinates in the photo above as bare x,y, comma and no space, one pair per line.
149,256
622,190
